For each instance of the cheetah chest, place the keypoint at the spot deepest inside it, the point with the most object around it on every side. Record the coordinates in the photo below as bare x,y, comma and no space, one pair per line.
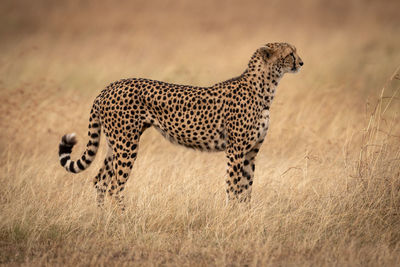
263,124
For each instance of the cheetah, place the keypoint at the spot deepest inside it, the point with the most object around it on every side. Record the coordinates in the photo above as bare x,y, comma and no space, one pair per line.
230,116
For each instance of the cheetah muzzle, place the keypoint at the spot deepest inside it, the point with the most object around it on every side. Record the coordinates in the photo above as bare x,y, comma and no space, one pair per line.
230,116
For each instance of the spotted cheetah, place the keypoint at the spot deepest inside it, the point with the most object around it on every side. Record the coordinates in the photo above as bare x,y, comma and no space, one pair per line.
230,116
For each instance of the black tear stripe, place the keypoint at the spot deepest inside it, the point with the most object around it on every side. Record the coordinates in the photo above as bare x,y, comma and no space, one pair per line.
294,61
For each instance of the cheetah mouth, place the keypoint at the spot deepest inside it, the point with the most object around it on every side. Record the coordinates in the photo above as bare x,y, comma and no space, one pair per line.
294,64
294,69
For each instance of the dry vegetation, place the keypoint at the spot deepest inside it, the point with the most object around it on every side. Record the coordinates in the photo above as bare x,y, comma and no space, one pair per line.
327,187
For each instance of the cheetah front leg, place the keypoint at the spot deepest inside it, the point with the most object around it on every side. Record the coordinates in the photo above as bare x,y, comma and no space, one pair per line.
241,167
237,186
249,168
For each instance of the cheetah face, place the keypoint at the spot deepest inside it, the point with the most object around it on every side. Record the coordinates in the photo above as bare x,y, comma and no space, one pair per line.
284,56
292,62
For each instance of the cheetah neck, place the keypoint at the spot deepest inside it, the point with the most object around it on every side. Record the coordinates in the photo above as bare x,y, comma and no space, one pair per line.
264,79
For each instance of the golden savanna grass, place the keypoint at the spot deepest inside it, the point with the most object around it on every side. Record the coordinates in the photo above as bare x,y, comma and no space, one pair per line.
327,185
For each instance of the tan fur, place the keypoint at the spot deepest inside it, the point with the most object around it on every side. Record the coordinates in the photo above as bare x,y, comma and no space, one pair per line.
231,116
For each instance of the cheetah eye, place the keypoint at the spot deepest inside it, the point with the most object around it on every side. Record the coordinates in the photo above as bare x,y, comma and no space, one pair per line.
291,55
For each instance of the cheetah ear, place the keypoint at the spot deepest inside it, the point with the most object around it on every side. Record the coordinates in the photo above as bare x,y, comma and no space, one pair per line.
267,52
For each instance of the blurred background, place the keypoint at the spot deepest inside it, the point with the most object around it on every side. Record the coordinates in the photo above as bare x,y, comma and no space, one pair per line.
56,56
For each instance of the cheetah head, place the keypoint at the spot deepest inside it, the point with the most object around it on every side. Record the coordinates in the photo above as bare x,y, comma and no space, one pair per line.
283,56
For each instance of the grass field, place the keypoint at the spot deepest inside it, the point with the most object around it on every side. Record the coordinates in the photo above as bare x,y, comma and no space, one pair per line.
327,180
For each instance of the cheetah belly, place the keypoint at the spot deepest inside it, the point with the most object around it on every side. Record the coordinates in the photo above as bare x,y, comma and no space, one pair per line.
192,132
212,140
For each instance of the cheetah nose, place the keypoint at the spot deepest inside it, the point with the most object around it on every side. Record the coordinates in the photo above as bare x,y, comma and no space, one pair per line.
301,63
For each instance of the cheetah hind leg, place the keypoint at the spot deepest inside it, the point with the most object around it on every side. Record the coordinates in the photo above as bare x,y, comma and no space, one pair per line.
124,158
103,178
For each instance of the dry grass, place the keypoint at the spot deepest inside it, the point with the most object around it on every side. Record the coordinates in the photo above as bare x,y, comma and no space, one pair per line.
327,186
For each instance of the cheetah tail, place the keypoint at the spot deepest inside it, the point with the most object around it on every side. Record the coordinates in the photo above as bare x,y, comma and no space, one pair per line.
69,140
